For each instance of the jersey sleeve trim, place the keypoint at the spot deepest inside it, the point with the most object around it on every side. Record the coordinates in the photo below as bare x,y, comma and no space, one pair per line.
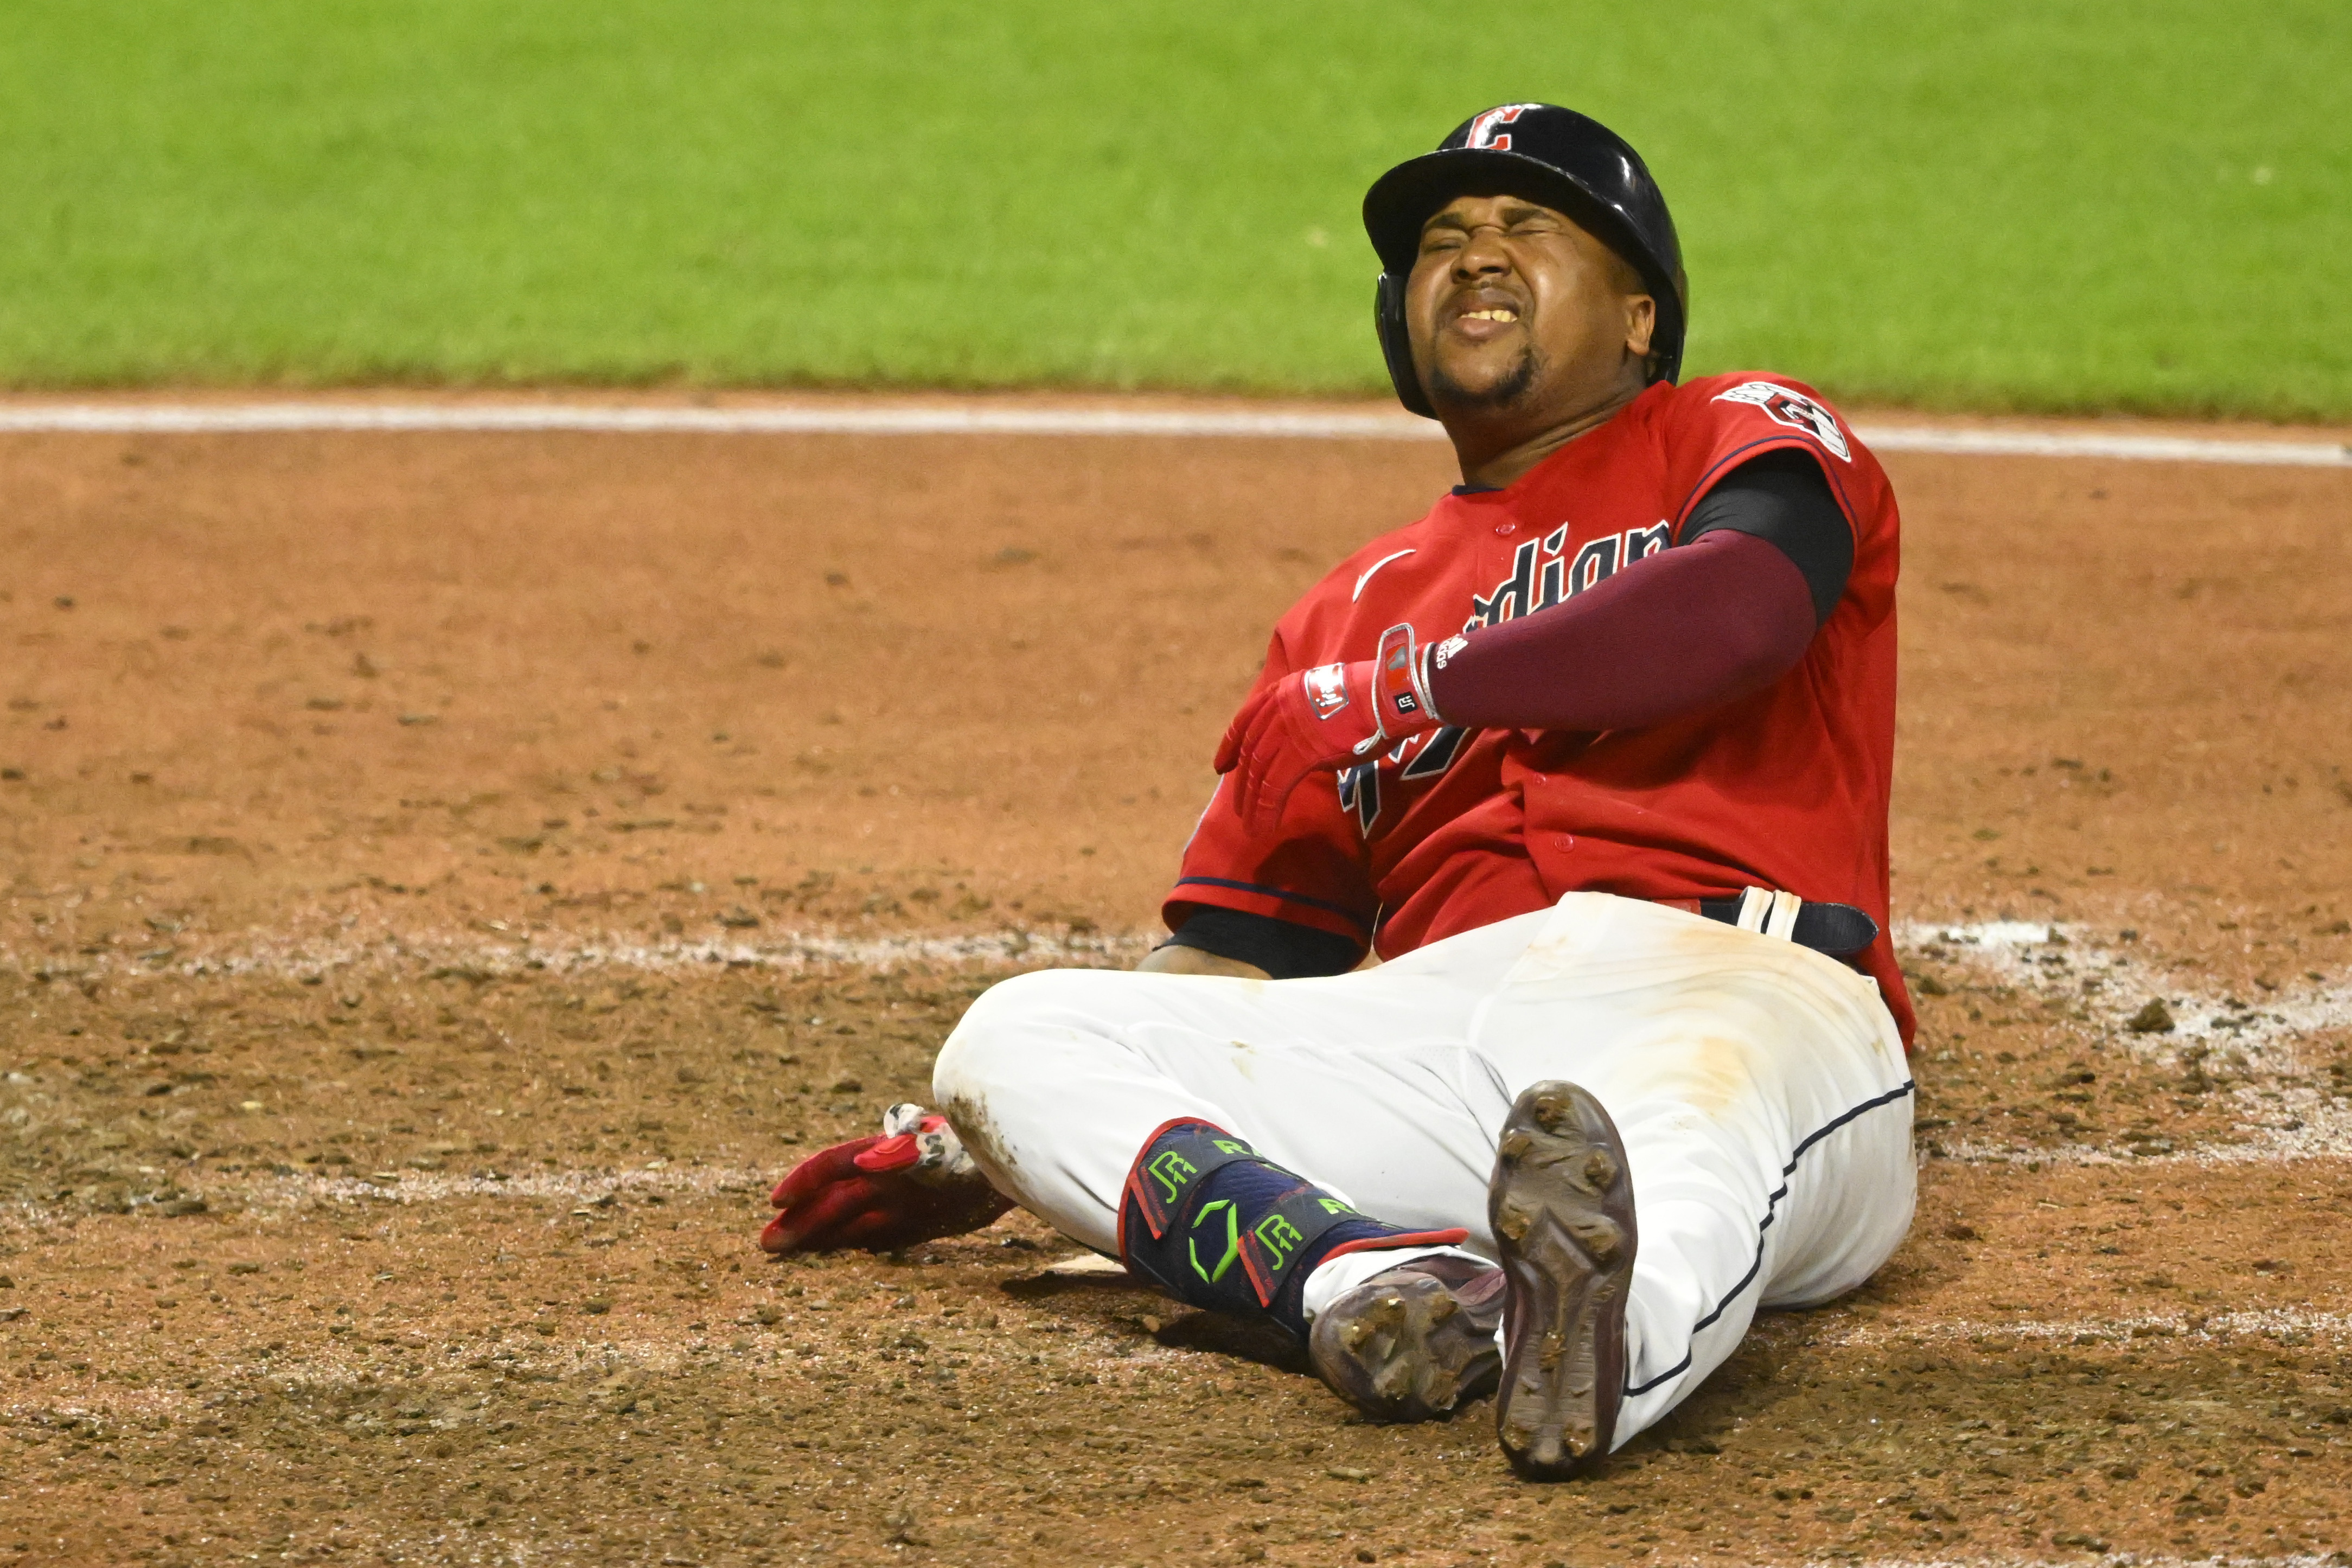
1792,441
1282,894
1284,949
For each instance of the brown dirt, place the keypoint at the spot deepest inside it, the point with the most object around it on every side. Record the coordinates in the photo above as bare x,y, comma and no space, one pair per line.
332,1228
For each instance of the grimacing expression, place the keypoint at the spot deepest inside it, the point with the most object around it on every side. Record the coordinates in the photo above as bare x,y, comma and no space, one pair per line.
1511,302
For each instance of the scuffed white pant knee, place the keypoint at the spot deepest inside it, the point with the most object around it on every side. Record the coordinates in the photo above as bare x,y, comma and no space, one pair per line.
997,1044
1011,1075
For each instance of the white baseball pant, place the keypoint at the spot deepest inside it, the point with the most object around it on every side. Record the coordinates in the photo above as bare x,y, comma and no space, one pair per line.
1760,1089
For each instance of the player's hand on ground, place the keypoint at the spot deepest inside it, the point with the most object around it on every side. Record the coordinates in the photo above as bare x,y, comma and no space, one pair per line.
1331,716
828,1203
911,1184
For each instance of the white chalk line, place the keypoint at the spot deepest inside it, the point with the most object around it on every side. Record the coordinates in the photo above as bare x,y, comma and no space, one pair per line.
470,957
2051,960
2290,1325
253,418
661,1178
2255,1045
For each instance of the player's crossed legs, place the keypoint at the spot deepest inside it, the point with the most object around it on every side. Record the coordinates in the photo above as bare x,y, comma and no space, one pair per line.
1564,1158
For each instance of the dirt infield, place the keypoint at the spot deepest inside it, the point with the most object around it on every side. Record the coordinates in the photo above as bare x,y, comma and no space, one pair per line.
449,877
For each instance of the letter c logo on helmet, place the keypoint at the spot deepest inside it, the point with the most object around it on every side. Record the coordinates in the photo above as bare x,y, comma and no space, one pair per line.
1482,129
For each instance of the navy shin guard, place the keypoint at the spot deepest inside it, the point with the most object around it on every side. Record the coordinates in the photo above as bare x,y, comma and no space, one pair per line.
1209,1221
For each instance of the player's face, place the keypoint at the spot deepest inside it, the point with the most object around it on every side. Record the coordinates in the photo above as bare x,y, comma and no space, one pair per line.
1513,305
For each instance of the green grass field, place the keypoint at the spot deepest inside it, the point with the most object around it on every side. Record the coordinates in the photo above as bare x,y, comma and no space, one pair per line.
2008,204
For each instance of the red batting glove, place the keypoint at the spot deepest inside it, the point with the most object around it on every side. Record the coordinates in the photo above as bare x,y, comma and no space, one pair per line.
881,1194
1330,717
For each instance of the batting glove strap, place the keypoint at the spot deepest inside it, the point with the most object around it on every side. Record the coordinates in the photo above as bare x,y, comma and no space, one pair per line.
1400,700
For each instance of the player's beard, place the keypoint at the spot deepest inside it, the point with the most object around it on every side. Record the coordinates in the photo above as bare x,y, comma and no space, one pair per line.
1502,393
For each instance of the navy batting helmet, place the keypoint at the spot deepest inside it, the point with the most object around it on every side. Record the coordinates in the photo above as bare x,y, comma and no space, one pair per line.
1547,154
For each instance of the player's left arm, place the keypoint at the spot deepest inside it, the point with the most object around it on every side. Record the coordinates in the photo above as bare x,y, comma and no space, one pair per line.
1762,561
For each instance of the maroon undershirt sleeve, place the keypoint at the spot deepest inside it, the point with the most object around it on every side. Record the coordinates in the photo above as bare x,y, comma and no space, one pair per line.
1686,628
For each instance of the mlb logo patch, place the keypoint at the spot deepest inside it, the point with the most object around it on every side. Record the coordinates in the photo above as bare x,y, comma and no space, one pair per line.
1795,410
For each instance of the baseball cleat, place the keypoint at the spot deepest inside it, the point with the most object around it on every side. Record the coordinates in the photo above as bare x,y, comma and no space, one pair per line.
1562,1205
1413,1344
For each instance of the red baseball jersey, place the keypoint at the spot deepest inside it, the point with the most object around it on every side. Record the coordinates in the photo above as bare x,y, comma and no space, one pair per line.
1453,829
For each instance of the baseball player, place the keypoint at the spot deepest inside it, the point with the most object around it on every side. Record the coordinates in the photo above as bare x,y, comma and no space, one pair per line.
1595,756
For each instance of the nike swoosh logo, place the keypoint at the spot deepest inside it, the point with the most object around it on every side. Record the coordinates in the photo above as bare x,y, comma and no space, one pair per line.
1372,569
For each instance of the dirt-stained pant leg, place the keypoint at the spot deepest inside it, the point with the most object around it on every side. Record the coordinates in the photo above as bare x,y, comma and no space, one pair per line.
1761,1090
1765,1102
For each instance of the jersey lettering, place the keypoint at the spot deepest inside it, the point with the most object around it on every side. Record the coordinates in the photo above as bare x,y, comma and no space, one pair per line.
1438,751
1594,562
1536,583
1359,792
1431,753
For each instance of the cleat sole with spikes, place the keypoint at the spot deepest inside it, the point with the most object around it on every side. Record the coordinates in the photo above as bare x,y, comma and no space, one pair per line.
1562,1205
1413,1344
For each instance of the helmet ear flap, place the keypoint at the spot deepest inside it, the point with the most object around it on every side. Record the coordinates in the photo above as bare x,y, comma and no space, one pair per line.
1396,345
